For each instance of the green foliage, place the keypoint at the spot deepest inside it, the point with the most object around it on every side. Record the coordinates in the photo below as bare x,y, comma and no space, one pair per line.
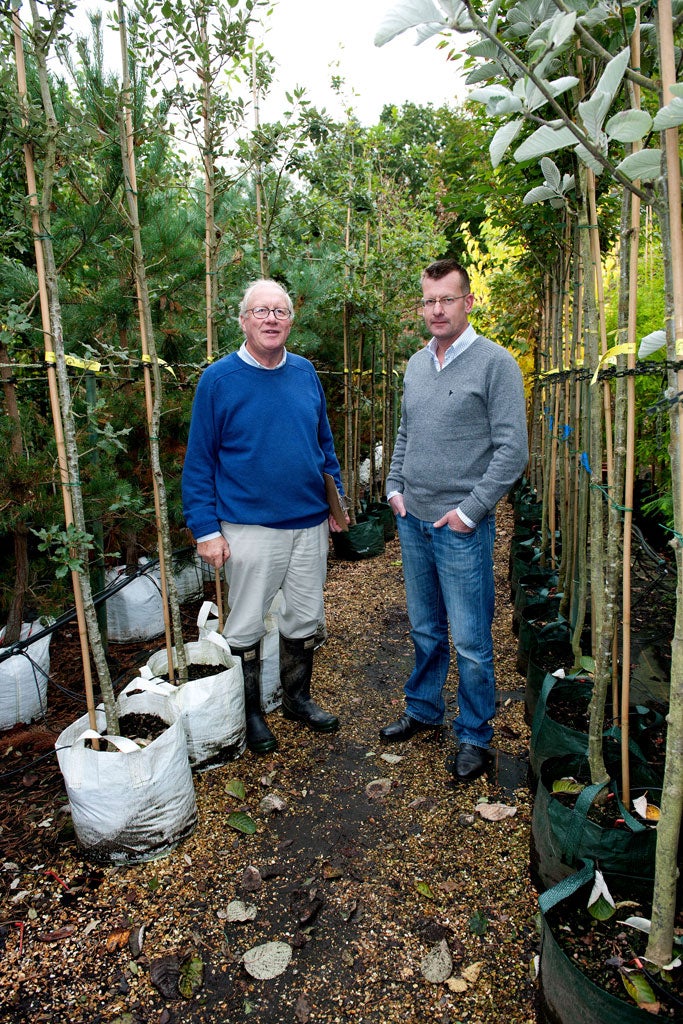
66,547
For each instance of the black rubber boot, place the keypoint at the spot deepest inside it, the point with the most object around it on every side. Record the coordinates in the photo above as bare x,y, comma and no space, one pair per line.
296,669
260,739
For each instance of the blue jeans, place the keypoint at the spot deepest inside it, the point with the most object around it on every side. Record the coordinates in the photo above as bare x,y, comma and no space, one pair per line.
449,579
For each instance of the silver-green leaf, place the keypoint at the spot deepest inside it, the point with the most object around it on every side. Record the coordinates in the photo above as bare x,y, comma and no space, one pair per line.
544,140
405,15
629,125
645,165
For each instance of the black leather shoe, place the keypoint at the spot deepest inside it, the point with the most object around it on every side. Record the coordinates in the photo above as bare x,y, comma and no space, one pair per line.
470,762
405,729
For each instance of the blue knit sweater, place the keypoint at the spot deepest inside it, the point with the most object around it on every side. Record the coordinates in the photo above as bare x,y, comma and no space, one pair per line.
259,443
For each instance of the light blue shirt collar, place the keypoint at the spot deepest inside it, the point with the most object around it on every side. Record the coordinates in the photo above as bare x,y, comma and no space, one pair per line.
456,349
244,354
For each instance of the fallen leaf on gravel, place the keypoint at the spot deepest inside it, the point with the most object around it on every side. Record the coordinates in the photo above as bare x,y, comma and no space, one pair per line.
302,1009
191,975
251,879
378,788
238,910
457,984
117,939
272,803
438,964
347,912
235,787
472,972
136,940
331,871
241,821
495,812
391,758
61,933
164,974
425,889
478,924
267,960
422,801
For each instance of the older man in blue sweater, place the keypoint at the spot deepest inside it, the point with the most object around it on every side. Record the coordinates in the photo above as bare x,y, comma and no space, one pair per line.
461,445
255,500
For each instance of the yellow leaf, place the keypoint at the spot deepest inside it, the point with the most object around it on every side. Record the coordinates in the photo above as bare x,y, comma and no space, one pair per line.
117,939
457,984
472,972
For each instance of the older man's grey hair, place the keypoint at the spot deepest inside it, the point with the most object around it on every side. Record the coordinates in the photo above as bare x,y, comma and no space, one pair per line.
246,298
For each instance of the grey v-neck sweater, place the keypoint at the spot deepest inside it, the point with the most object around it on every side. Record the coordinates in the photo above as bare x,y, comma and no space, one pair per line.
462,442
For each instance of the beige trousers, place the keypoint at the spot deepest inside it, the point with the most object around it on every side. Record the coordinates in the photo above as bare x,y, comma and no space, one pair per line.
262,562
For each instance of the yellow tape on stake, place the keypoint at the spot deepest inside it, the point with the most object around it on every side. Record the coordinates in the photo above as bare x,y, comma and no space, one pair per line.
83,364
147,359
611,354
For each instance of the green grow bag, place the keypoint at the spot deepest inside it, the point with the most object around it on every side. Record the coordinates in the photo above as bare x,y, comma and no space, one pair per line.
550,738
566,994
383,511
562,836
537,624
533,589
363,540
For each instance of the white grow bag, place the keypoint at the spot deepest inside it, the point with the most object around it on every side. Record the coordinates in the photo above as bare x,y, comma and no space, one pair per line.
136,611
23,678
271,688
135,803
211,709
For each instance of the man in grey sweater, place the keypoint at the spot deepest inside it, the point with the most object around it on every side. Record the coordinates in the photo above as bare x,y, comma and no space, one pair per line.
461,445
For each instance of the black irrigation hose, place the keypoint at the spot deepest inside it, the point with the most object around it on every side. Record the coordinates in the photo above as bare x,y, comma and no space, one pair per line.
77,696
21,649
27,767
21,645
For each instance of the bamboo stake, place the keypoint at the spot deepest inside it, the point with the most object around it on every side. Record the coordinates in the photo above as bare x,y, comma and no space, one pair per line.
660,942
51,363
209,204
219,598
263,261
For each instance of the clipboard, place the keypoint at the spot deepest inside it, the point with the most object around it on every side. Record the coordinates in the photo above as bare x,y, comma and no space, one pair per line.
333,501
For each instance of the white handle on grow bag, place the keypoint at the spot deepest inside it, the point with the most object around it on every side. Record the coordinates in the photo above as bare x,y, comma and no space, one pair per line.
150,684
219,640
121,743
207,609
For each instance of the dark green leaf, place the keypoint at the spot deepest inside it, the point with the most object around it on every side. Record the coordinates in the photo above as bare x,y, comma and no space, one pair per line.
241,821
